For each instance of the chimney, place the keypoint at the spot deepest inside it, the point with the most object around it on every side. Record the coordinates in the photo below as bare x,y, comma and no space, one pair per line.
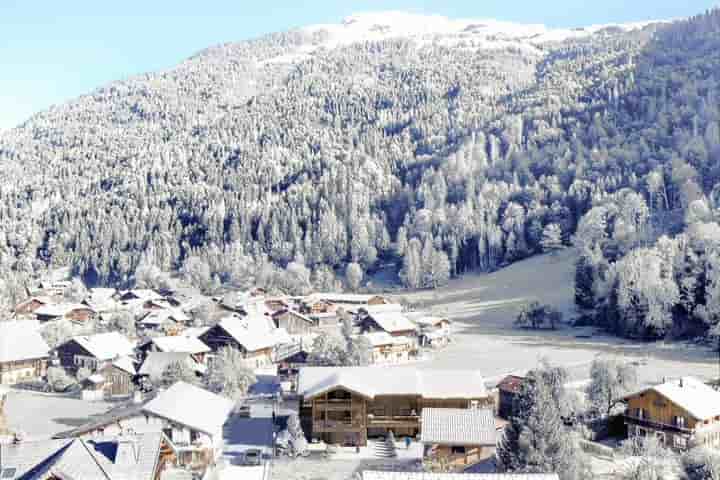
681,382
127,451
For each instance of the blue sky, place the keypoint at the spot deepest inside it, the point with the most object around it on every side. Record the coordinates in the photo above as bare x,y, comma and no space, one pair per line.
54,50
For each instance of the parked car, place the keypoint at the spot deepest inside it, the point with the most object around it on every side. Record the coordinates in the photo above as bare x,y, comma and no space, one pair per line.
253,456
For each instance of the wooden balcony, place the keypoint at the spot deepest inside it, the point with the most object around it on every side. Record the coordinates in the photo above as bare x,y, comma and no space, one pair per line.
393,420
647,423
337,426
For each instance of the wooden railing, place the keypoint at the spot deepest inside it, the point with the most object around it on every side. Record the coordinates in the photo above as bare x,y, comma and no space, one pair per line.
331,425
644,422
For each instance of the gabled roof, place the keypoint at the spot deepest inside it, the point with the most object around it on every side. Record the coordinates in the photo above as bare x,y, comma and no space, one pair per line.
105,346
180,343
393,322
155,363
78,459
191,406
378,339
254,333
377,475
126,364
143,294
59,309
511,384
458,426
294,313
439,384
690,394
158,317
426,320
21,340
348,298
382,308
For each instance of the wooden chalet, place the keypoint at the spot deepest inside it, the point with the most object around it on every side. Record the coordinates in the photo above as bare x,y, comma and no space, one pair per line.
75,312
682,414
23,352
94,351
349,404
28,306
294,323
120,377
253,336
395,323
389,349
455,438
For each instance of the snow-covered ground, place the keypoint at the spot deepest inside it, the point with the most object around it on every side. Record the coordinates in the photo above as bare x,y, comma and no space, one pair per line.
484,306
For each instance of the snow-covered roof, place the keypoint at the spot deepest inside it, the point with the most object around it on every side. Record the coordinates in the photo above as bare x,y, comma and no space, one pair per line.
382,475
83,459
21,340
158,317
191,406
95,378
690,394
126,364
393,322
384,308
366,381
144,294
180,343
378,339
458,426
106,346
425,319
254,333
59,309
155,363
344,297
194,331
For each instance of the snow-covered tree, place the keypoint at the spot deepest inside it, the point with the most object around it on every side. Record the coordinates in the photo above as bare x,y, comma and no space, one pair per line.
353,275
610,381
229,375
551,238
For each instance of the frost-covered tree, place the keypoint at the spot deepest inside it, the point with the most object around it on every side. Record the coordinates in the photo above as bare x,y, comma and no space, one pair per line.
178,371
353,275
610,381
229,375
551,238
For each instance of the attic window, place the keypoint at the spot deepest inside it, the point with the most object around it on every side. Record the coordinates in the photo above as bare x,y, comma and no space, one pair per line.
8,473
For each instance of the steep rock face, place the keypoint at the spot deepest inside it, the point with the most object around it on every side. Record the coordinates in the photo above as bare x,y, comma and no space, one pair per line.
387,136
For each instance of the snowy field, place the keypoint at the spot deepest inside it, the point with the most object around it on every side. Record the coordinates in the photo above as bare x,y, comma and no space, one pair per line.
483,308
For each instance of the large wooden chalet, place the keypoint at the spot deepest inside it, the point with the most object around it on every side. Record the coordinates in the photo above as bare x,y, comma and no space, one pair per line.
349,404
681,413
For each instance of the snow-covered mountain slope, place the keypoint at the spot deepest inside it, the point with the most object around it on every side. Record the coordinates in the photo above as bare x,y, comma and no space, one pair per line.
376,26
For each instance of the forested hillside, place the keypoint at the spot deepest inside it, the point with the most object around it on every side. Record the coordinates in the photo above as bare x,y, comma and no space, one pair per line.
650,254
287,160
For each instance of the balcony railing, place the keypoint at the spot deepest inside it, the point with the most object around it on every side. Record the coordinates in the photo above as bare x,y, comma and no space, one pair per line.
393,419
335,425
644,422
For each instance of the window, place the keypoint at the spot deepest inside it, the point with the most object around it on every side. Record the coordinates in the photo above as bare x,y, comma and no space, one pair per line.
458,450
641,432
679,421
680,441
8,473
641,414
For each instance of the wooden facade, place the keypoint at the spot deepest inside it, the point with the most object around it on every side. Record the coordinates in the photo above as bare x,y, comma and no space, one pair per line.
119,382
294,323
650,413
455,457
22,370
343,417
217,338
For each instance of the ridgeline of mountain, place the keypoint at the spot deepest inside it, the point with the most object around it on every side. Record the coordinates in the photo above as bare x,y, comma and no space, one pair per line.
437,145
